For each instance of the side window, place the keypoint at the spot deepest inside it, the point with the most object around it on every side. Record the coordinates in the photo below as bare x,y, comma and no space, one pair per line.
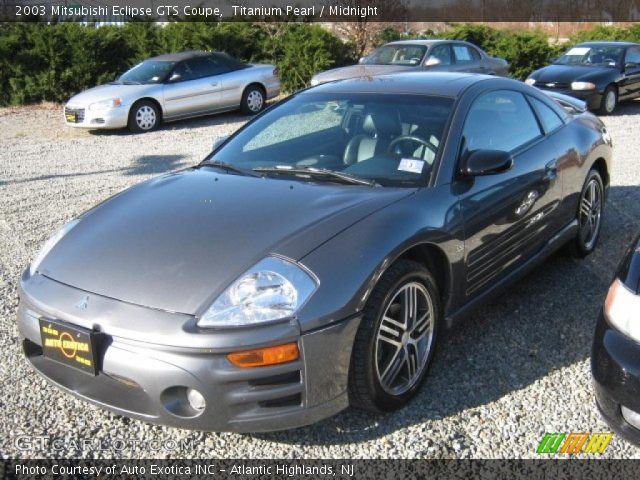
550,119
463,54
201,67
443,53
633,55
499,120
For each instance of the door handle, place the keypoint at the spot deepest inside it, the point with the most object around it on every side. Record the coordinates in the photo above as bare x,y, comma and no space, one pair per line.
214,84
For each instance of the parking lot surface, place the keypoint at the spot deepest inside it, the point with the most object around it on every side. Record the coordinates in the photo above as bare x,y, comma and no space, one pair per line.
516,369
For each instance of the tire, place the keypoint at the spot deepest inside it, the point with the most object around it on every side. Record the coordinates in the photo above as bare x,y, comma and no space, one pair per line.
253,100
589,216
380,348
609,101
144,116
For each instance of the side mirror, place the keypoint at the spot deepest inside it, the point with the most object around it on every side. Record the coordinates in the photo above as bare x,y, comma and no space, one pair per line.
433,61
219,140
175,77
553,59
486,162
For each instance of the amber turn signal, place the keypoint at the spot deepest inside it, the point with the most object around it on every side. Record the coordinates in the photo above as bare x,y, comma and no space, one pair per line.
261,357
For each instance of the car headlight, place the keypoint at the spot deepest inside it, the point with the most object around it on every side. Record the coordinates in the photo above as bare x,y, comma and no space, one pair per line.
622,308
530,81
106,104
273,289
49,244
582,86
314,82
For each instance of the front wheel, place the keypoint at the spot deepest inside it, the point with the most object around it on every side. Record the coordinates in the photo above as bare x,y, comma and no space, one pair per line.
144,116
609,101
396,339
589,216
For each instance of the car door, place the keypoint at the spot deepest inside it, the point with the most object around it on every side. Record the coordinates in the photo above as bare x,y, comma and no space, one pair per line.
508,216
192,88
466,58
630,86
444,56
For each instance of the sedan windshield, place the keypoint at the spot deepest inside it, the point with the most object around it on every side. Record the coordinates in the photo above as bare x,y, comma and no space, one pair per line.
356,139
602,56
149,71
396,55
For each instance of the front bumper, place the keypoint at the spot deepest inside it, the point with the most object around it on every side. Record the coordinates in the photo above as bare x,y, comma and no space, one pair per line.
593,98
103,119
615,365
148,381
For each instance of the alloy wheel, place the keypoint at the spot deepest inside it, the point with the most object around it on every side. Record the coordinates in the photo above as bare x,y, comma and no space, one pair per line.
590,213
146,117
404,339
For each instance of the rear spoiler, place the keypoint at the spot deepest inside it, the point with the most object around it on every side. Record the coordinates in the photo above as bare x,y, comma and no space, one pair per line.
572,104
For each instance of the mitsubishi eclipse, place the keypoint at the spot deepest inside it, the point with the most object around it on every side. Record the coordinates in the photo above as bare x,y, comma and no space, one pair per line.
314,258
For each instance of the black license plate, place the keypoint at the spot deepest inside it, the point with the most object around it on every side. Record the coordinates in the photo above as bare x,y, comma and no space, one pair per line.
69,345
71,117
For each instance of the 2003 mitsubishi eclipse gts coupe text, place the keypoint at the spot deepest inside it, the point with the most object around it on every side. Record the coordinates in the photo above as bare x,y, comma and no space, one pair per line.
313,259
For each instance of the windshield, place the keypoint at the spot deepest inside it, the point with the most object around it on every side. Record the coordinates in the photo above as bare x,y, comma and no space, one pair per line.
396,55
392,140
149,71
603,56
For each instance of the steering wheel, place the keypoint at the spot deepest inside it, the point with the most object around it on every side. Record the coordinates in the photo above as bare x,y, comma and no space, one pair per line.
411,138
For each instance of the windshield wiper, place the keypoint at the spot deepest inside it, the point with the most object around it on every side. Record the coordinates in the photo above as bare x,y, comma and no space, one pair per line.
230,168
318,172
128,82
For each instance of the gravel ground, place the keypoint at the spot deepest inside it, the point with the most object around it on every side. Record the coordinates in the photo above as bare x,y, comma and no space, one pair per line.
517,369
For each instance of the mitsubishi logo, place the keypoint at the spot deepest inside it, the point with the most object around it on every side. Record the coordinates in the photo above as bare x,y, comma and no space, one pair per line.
83,304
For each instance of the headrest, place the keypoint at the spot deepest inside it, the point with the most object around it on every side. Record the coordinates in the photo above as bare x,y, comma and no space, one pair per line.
382,122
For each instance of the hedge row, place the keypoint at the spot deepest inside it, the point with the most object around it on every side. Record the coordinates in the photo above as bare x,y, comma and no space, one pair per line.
52,62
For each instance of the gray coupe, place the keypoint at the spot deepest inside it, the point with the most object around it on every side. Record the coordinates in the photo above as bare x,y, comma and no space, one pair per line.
409,55
172,87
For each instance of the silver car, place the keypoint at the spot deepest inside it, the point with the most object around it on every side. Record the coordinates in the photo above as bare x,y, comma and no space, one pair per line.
410,55
172,87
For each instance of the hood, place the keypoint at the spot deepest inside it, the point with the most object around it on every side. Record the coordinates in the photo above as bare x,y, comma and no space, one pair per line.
360,70
107,92
177,241
571,73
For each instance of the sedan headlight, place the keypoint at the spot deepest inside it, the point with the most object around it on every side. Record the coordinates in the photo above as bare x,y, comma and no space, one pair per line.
583,86
530,81
106,104
273,289
622,309
49,244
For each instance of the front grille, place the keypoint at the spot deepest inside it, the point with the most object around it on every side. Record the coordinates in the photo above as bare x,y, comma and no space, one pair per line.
71,112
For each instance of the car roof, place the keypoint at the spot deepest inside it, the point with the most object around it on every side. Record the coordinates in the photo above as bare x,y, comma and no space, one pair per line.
445,84
426,42
608,44
178,57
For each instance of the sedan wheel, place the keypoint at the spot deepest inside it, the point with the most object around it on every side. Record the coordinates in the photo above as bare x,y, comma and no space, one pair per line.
609,101
589,215
253,100
395,341
144,117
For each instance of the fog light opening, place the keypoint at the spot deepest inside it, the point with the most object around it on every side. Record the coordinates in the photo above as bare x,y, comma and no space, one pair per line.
630,416
196,400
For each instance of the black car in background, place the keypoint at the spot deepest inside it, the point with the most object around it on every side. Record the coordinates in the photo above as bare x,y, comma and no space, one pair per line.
615,360
601,73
